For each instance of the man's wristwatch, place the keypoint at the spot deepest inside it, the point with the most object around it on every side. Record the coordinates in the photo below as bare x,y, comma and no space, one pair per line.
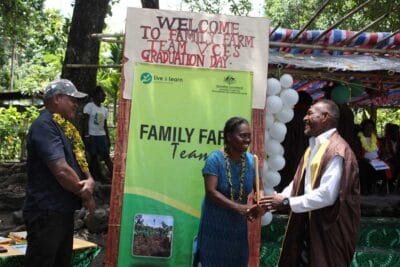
285,202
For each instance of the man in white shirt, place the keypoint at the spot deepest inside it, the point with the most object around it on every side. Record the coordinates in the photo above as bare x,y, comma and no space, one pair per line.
323,197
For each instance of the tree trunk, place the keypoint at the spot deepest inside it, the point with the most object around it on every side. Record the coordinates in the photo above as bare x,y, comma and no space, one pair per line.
88,17
150,4
12,71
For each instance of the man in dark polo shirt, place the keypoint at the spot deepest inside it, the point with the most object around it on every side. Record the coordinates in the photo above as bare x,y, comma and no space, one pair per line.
57,182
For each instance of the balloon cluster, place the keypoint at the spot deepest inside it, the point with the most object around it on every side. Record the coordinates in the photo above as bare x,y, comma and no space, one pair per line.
279,110
342,94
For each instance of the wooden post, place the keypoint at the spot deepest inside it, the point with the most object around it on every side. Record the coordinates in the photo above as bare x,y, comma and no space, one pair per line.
118,180
257,179
254,234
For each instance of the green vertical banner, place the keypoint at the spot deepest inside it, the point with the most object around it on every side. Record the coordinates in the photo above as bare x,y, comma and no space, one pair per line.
177,119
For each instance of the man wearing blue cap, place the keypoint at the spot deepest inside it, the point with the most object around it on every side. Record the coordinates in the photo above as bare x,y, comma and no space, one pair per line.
58,178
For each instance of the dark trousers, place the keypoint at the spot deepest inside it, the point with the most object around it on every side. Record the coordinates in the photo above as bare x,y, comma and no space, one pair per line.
369,177
50,238
304,259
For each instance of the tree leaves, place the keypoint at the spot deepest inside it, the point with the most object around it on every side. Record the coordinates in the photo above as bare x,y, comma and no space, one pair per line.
294,14
236,7
38,40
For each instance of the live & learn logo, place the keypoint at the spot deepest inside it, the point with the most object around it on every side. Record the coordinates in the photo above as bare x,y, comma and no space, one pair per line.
146,77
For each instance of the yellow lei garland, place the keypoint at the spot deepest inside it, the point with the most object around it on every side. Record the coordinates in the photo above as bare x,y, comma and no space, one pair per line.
77,144
371,147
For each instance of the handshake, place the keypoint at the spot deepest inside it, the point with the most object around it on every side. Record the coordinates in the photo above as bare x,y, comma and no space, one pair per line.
267,204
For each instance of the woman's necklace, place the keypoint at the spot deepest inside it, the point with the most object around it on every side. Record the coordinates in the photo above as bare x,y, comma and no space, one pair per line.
368,147
73,135
229,177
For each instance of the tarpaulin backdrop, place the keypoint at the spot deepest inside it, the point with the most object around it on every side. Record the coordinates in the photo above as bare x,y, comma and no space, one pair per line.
177,118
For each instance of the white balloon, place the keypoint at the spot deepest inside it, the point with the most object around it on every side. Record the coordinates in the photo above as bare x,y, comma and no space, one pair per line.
280,139
272,178
265,165
282,151
276,162
273,147
265,170
268,191
278,131
274,104
285,115
269,119
286,80
289,97
266,137
266,218
273,86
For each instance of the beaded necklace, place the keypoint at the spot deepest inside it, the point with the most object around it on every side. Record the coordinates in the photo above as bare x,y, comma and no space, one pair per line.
229,178
73,135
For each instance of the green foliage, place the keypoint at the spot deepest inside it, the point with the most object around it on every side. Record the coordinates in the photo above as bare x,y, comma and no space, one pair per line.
112,131
32,78
294,14
44,55
13,129
38,52
109,79
383,116
236,7
17,17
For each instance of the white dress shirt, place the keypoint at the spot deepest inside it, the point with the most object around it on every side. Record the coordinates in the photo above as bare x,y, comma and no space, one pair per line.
328,190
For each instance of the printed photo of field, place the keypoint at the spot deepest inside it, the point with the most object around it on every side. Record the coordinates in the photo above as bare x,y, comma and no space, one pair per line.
152,235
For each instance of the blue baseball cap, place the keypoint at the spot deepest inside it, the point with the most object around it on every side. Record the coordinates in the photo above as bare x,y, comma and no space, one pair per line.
62,87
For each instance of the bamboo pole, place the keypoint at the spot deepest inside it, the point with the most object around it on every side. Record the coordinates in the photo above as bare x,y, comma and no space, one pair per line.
328,75
89,66
336,48
340,21
348,41
274,30
107,35
319,11
107,40
387,37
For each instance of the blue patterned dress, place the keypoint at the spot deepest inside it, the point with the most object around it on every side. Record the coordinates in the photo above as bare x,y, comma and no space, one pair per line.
222,238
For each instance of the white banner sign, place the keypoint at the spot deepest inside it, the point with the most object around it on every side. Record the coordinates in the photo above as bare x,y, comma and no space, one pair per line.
197,40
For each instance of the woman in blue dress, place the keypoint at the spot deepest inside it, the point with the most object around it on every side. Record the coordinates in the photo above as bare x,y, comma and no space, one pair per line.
229,178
